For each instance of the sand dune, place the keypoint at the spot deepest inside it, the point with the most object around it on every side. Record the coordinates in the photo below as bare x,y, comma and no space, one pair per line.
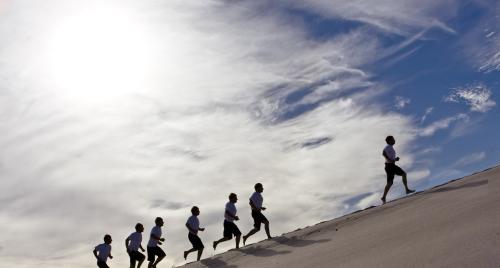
453,225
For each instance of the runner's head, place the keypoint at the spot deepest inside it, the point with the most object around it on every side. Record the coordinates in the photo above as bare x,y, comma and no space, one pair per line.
233,198
390,140
139,228
195,211
258,187
107,239
159,221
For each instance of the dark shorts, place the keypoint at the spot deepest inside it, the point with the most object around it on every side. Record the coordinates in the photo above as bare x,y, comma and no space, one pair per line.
155,251
231,229
136,256
258,219
195,241
102,264
391,170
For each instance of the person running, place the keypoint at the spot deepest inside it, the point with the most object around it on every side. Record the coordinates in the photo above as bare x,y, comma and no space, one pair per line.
230,227
256,201
155,240
133,244
103,251
391,168
193,225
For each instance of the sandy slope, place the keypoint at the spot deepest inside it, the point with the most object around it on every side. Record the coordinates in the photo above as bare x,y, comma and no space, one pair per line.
453,225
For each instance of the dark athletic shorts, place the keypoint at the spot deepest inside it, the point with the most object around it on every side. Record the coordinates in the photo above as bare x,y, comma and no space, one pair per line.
391,170
136,256
102,264
155,251
258,218
231,229
195,241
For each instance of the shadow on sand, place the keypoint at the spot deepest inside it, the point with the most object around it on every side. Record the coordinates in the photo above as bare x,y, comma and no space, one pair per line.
216,262
296,242
465,185
263,252
291,242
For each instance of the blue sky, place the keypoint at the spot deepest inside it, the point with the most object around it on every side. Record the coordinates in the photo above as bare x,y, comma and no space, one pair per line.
425,72
116,112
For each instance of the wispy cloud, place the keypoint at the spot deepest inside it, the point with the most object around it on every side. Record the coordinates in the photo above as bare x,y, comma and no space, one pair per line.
427,112
441,124
400,17
470,159
401,102
478,97
482,43
429,150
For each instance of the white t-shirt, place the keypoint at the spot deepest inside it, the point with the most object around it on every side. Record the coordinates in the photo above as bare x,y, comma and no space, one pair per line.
157,232
391,153
135,241
194,223
232,209
103,251
257,199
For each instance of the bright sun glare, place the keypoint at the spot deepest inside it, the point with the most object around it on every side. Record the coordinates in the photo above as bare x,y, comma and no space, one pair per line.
98,53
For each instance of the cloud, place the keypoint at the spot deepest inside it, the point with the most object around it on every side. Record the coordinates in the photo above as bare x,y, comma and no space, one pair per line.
168,205
477,97
481,44
401,102
360,201
420,174
427,112
441,124
315,142
232,93
398,17
455,170
469,159
429,150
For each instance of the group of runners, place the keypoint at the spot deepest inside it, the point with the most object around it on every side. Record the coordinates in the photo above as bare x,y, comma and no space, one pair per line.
155,254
